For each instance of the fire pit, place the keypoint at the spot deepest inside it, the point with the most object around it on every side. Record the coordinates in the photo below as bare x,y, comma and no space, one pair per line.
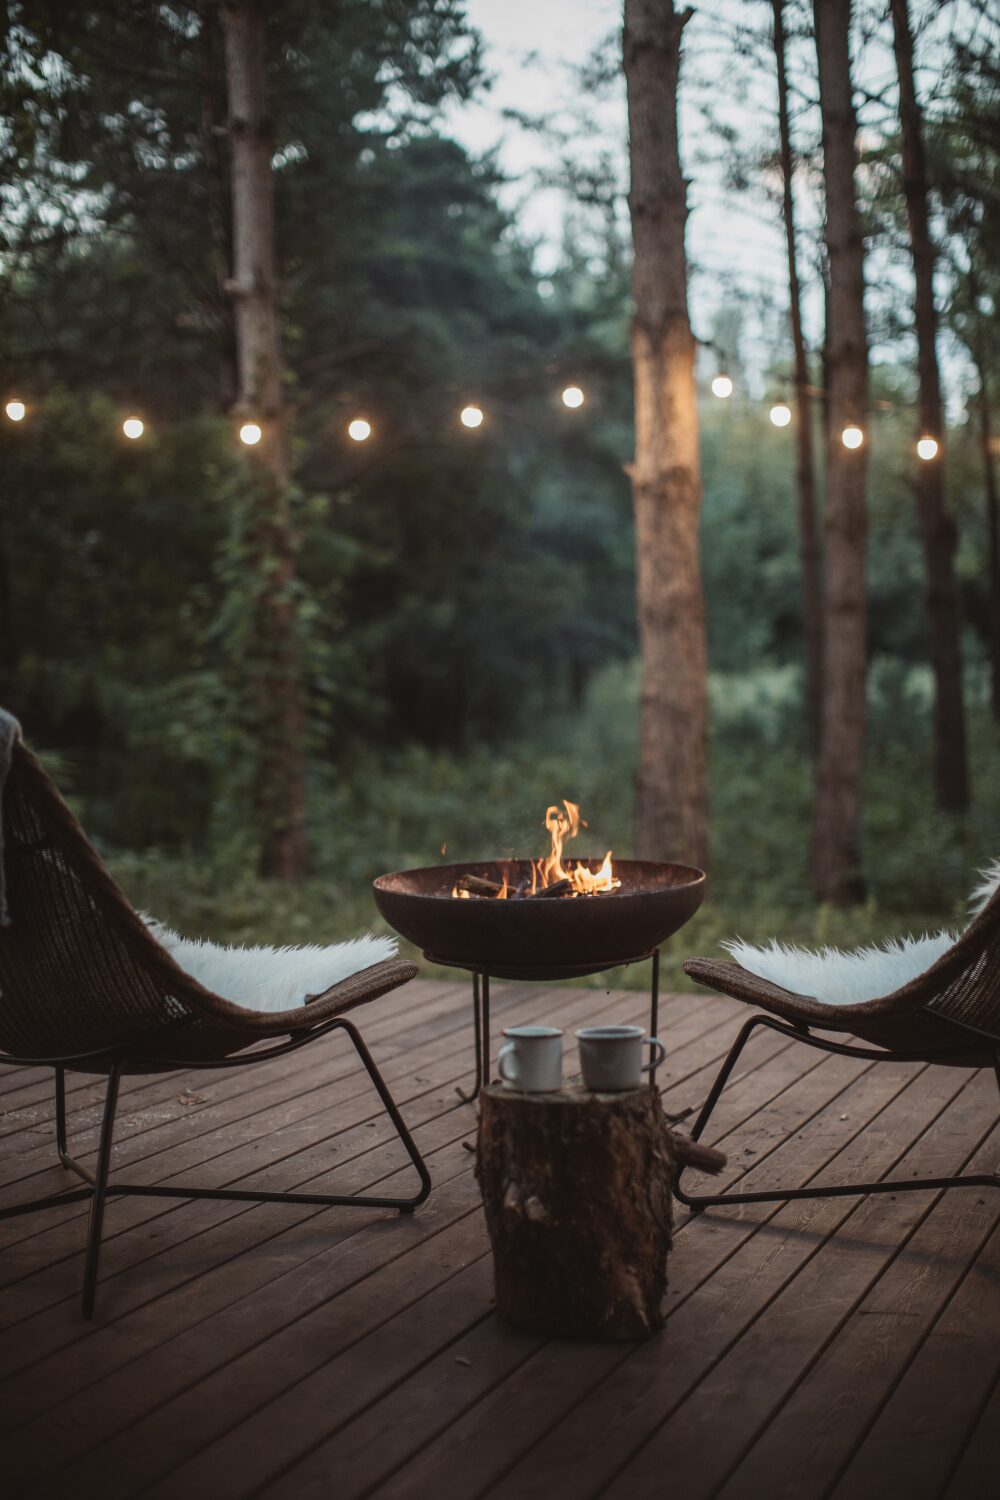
541,919
540,937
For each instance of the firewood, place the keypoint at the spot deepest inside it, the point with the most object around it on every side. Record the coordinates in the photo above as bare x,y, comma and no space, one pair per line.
478,885
560,888
693,1154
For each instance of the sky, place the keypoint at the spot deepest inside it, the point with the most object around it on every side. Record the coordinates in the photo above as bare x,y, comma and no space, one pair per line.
532,47
735,241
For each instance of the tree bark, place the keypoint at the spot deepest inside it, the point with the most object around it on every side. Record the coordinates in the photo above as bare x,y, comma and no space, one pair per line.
992,531
577,1191
836,829
672,792
936,527
805,469
280,783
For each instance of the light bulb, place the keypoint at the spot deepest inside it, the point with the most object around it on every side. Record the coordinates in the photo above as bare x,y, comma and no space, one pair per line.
471,416
927,448
133,427
572,396
16,410
852,437
780,415
359,430
722,387
251,433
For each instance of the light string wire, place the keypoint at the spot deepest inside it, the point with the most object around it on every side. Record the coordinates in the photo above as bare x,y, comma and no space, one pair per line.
472,416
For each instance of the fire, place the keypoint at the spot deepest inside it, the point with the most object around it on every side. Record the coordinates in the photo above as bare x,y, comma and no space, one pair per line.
563,823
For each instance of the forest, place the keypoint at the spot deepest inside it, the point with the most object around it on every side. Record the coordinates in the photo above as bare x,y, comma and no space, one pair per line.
382,634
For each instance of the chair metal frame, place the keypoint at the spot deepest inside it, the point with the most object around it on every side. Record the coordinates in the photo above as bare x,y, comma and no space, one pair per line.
99,1185
799,1032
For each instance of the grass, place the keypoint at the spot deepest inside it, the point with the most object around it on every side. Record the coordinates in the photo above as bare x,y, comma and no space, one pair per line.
420,807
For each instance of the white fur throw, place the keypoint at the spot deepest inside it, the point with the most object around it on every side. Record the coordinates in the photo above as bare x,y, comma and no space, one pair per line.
271,979
840,978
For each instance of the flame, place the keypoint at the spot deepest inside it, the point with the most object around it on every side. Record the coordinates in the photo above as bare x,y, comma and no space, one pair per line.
563,823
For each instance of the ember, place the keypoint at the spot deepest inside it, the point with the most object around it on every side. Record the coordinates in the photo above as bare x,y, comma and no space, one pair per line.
549,877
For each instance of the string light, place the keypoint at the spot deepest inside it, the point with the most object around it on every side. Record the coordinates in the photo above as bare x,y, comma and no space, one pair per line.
360,429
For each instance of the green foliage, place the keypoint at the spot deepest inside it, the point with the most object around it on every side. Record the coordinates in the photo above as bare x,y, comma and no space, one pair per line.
418,806
466,599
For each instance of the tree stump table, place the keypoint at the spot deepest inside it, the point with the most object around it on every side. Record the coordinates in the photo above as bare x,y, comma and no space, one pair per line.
578,1190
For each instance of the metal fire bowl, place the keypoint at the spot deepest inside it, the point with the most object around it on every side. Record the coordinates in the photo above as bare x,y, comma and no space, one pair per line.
561,938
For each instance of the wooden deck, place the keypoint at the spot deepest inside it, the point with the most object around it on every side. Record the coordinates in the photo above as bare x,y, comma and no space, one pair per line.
847,1348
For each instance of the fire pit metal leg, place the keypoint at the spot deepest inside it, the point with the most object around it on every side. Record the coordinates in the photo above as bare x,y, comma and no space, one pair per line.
485,1065
654,1006
477,1021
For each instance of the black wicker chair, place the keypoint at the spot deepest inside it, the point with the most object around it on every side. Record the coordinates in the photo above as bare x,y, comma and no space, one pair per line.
950,1015
84,985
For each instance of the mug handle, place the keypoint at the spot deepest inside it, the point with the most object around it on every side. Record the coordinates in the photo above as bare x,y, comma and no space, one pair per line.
507,1050
659,1053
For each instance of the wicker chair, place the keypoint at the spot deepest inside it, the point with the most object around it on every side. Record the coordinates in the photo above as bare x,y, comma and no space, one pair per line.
950,1014
84,985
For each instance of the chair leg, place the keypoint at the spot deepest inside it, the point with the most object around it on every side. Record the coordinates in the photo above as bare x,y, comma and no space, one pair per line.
392,1110
62,1146
100,1192
99,1188
699,1201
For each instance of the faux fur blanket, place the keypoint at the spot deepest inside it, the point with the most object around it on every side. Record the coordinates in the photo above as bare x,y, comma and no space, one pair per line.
271,979
840,978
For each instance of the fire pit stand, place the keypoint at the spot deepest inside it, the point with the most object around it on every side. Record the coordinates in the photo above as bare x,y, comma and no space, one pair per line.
528,974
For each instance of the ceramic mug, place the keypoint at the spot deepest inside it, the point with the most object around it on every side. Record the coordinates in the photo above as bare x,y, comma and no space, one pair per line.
531,1059
611,1057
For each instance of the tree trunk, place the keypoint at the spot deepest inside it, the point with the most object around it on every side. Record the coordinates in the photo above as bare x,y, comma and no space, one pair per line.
936,526
217,193
805,469
992,531
836,836
281,757
672,793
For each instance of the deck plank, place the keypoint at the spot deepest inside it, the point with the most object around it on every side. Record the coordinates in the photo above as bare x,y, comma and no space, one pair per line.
139,1230
920,1432
977,1467
706,1439
293,1415
118,1401
365,1347
377,1460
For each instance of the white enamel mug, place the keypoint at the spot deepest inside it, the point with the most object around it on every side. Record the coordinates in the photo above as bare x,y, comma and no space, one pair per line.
531,1059
611,1057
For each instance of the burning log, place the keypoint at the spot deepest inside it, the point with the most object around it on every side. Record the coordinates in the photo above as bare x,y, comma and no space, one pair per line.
477,885
559,888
